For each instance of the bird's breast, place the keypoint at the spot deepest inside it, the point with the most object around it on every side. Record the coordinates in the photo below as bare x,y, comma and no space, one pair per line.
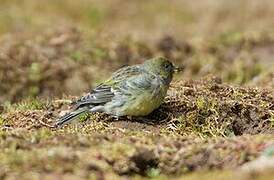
144,103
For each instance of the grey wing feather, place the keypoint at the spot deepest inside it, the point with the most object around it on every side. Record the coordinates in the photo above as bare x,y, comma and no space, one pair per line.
98,96
125,81
137,84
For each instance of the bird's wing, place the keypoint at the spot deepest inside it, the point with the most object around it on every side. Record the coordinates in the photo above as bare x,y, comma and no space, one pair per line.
104,92
100,95
124,73
136,84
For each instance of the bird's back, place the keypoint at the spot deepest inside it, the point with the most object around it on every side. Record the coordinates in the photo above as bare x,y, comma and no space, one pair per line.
104,92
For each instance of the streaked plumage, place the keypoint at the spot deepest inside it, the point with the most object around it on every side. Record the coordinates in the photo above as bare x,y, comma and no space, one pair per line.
131,91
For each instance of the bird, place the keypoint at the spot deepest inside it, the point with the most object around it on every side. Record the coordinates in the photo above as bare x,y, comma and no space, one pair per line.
132,91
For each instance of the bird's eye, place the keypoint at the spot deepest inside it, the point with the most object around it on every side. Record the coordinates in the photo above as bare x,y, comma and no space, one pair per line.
167,66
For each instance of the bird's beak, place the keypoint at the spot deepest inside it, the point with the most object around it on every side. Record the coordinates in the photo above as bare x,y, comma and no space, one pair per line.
178,69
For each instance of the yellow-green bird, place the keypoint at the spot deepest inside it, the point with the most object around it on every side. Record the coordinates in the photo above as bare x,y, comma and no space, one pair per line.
131,91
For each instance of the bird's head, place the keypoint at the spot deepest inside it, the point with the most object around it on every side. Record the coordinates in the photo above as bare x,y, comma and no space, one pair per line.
162,67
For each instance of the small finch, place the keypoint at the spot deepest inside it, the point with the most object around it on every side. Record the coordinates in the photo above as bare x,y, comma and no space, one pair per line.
131,91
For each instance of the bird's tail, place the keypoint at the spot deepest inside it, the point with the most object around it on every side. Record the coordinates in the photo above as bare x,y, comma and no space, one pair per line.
67,118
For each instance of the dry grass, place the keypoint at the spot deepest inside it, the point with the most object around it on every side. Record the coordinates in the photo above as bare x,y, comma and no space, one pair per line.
203,125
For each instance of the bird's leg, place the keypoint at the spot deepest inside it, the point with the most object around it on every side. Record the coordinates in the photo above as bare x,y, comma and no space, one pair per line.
116,118
129,118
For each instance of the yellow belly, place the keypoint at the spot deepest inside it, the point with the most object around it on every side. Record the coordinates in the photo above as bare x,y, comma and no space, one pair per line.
143,105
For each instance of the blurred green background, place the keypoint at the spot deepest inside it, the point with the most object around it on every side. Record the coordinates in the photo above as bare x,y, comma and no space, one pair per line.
49,48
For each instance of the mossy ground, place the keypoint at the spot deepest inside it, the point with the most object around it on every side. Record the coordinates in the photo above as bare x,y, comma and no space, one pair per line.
217,120
203,126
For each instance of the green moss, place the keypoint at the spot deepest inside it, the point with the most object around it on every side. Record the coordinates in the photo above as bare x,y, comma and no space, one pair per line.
40,135
230,38
2,121
35,72
272,120
28,104
94,16
99,53
208,175
76,56
153,173
84,117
